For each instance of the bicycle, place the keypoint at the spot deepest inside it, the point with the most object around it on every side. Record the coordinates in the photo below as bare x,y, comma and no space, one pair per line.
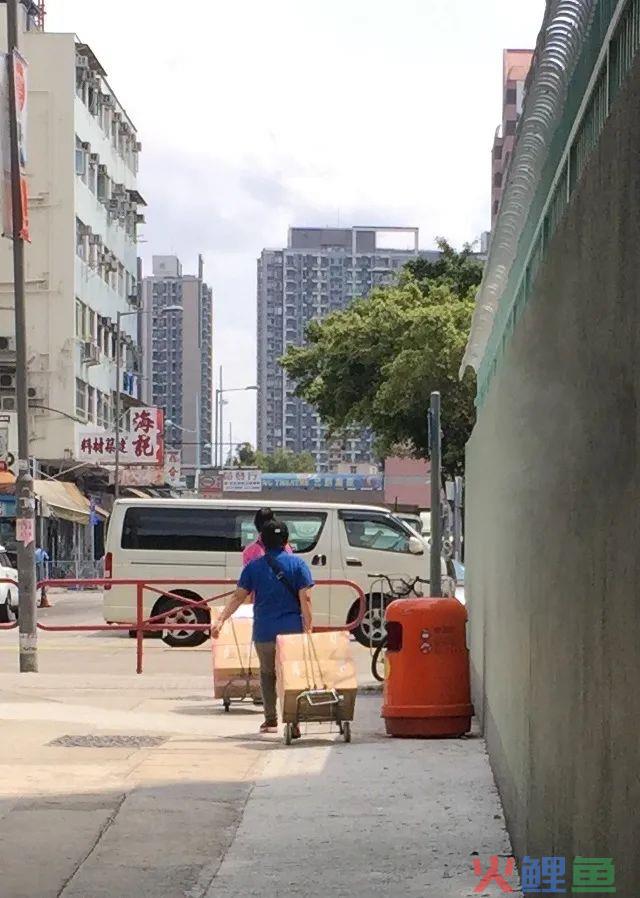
398,588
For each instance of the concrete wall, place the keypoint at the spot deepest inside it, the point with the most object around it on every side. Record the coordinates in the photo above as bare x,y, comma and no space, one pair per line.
552,524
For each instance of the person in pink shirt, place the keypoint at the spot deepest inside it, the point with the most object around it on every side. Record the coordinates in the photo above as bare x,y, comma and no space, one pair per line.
256,549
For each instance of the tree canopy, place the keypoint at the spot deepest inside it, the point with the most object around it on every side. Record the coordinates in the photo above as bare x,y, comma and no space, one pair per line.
279,462
376,363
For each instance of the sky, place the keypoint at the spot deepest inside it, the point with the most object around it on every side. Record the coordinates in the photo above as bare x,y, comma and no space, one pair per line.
255,115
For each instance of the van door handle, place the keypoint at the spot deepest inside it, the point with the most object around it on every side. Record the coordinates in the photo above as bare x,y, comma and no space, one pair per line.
315,559
353,562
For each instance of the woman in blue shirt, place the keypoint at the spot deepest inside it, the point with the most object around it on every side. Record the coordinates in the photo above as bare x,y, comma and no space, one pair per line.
281,584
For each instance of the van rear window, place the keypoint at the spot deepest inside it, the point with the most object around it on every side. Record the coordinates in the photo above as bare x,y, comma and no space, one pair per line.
194,529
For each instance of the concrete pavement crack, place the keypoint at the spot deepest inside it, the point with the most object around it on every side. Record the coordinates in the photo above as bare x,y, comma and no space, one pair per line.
103,829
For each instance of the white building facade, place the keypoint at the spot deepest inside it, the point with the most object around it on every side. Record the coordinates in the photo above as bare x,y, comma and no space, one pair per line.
81,264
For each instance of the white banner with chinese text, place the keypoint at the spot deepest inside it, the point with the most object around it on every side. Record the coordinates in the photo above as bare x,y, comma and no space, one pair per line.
141,444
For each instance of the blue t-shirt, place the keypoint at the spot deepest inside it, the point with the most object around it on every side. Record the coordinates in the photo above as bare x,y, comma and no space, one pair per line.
275,610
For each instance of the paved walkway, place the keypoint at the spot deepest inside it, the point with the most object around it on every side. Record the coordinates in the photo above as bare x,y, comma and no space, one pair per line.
214,809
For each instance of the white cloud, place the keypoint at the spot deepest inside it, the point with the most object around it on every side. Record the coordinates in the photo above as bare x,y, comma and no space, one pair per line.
255,116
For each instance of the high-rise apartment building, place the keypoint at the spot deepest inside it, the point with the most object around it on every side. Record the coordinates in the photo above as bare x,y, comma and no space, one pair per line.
81,263
515,66
177,339
320,271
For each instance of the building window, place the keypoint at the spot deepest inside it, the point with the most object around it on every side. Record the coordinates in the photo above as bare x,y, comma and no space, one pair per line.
81,159
91,403
80,313
81,398
510,129
497,179
511,96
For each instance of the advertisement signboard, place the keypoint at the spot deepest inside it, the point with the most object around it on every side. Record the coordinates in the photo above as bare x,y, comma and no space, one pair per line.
140,444
210,484
237,480
21,95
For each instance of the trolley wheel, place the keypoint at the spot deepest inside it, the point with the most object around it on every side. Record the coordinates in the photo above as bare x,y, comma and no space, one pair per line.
288,733
226,704
346,731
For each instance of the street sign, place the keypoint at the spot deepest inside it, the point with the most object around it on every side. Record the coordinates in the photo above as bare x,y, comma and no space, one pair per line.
173,467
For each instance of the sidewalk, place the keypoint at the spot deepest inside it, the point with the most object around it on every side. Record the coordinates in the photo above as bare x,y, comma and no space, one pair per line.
213,809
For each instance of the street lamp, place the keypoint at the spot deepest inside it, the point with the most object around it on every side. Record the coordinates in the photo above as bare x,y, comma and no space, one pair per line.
119,317
170,423
219,432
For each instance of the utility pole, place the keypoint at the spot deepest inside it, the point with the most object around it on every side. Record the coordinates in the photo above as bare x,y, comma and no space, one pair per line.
25,513
116,475
457,518
435,586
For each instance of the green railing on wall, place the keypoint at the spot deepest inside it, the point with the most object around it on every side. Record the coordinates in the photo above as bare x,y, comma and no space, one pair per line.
605,60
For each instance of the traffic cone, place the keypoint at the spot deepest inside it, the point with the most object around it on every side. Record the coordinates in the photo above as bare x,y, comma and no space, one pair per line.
44,600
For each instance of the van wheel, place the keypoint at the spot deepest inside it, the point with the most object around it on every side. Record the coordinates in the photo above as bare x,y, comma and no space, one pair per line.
372,630
7,614
183,614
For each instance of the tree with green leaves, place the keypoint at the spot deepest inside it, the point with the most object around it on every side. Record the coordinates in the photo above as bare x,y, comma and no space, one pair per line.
279,462
376,363
284,462
245,456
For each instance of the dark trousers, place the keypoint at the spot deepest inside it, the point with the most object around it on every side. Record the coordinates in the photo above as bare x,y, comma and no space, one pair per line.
266,652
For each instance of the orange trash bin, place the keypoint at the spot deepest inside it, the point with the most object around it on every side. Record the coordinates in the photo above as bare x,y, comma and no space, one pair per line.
427,688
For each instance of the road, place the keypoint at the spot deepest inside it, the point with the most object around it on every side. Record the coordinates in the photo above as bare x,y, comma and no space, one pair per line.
114,652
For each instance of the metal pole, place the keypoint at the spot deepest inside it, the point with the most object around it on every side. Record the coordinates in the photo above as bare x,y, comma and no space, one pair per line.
215,434
230,446
24,483
116,476
457,519
198,446
436,517
220,419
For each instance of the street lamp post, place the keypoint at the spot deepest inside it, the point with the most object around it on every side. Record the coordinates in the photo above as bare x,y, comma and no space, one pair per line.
219,431
119,317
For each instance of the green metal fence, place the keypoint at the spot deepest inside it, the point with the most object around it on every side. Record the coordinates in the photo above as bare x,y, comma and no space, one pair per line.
605,60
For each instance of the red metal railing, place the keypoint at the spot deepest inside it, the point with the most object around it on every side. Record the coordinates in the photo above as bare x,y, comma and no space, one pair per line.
158,622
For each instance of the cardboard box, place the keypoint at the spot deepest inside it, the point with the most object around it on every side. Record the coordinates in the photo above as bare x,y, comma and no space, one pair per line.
322,662
236,668
333,645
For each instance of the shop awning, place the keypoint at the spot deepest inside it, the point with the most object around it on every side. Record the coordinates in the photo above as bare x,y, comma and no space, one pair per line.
62,500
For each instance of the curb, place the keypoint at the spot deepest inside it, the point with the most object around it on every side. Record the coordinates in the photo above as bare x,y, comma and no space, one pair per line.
370,689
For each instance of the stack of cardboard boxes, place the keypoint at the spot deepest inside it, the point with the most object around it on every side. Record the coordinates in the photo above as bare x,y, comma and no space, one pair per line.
236,669
320,661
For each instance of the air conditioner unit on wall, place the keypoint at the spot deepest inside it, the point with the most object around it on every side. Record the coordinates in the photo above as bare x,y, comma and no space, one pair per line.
91,354
8,403
7,344
7,381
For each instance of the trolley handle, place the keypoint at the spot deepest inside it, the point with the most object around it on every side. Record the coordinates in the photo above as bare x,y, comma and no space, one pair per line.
334,700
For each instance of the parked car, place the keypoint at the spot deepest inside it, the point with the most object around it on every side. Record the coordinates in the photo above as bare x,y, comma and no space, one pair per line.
8,591
412,520
174,540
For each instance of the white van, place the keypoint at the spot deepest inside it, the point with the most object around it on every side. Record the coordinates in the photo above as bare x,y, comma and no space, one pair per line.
174,540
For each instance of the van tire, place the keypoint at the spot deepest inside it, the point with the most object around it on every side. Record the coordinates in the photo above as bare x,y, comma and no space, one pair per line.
179,639
363,632
7,614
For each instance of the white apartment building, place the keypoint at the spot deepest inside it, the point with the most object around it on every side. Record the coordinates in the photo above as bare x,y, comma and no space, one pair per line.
81,264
